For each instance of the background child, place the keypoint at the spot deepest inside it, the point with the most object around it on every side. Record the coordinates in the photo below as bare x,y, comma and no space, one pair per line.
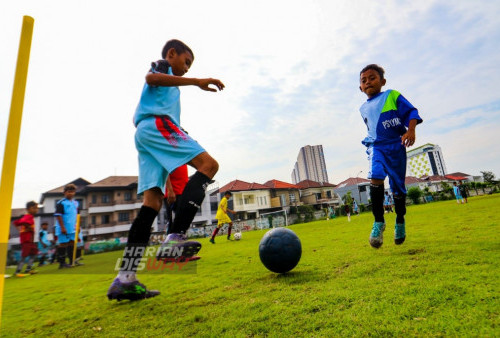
463,190
43,244
387,116
388,202
163,146
26,227
176,183
347,210
222,217
66,215
458,194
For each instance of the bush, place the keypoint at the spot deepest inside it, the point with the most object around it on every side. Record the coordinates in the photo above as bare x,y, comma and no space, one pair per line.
307,211
414,193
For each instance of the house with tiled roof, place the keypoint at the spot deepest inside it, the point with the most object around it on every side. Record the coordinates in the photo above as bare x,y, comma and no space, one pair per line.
317,194
358,186
283,194
249,199
458,176
411,181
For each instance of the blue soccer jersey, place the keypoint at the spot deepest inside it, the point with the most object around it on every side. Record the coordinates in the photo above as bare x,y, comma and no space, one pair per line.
159,100
68,210
387,115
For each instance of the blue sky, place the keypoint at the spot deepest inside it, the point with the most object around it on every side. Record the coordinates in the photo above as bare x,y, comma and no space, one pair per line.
291,71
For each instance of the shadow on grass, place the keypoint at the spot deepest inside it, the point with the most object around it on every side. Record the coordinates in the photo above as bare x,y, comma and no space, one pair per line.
292,277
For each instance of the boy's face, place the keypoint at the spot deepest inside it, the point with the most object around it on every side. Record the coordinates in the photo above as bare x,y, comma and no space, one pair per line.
370,83
228,197
33,210
180,62
45,226
69,194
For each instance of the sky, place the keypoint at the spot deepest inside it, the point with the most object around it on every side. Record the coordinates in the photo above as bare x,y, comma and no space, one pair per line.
291,70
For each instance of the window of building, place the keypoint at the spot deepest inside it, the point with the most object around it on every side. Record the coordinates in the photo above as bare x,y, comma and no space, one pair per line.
318,196
105,219
127,196
104,198
292,198
94,198
80,203
92,220
123,217
329,194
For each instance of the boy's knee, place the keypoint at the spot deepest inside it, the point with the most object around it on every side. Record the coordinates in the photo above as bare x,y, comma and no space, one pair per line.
209,167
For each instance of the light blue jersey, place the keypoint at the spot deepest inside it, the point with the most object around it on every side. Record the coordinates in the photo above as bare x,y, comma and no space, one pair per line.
386,116
159,101
67,209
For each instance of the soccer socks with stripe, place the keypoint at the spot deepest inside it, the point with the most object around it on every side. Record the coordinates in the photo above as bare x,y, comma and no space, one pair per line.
138,239
400,206
190,202
216,230
377,197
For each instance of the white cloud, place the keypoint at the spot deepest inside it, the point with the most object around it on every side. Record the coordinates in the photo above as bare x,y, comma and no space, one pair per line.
290,68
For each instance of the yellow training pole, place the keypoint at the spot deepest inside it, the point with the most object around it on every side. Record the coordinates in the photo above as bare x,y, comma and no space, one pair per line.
77,231
12,143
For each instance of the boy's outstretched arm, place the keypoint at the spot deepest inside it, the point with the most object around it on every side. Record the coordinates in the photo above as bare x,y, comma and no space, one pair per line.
166,80
408,139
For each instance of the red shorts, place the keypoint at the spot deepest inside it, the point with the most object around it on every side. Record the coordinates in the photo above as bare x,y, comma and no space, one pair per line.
28,249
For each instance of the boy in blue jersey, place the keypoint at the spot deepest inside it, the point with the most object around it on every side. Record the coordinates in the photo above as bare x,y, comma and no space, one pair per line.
43,244
65,228
164,146
391,122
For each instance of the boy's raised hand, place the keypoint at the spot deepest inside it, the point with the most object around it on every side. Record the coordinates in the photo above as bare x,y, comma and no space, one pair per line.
408,139
204,84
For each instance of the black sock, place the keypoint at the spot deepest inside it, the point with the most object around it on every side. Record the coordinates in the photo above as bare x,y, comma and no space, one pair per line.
138,238
400,206
61,255
377,197
69,253
190,202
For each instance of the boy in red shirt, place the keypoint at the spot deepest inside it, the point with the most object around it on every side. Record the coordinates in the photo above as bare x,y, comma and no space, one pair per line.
26,227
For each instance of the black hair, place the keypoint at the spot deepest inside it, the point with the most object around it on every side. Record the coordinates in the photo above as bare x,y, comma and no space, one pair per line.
376,68
228,193
69,186
45,223
179,46
31,204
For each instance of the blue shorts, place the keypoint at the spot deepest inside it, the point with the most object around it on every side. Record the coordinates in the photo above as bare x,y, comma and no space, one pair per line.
388,160
163,147
68,238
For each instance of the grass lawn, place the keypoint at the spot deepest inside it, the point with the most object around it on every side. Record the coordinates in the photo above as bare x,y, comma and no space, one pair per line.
443,281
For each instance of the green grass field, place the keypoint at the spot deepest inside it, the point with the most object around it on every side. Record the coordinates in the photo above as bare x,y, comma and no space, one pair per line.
443,281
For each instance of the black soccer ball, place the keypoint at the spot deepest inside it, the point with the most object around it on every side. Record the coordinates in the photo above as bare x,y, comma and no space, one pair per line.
280,250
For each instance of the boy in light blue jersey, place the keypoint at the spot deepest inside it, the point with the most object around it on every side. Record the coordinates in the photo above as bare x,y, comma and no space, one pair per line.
43,244
391,122
65,227
163,146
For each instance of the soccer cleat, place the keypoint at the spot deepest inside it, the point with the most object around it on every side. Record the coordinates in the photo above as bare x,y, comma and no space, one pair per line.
31,272
212,241
18,274
131,291
229,238
399,233
176,246
64,266
377,235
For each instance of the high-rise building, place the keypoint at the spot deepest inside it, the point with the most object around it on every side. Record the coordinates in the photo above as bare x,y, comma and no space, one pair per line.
310,165
426,160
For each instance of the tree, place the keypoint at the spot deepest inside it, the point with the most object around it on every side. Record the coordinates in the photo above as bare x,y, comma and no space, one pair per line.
489,177
414,193
347,198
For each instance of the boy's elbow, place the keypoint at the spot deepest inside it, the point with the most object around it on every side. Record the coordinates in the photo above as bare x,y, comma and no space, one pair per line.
150,79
